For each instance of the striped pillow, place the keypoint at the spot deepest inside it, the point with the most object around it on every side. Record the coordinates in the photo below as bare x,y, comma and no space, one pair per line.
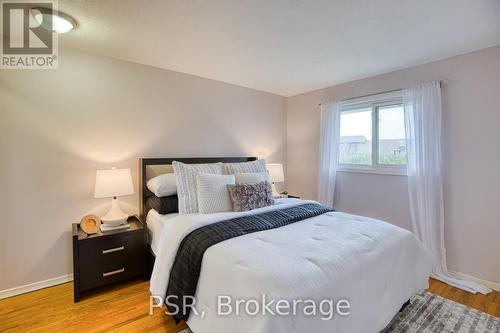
186,183
213,195
245,167
251,177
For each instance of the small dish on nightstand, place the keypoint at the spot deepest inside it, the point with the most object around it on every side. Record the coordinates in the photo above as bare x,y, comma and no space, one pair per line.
90,224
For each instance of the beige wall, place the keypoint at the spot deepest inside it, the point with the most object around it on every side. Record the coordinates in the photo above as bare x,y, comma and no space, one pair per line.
57,127
471,138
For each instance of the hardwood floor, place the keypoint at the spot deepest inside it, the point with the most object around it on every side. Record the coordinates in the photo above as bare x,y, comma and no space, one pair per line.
487,303
125,309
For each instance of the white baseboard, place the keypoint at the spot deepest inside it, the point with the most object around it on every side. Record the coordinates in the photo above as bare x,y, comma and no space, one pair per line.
35,286
489,284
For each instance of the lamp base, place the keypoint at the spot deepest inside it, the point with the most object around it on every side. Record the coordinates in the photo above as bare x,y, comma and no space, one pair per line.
114,216
275,192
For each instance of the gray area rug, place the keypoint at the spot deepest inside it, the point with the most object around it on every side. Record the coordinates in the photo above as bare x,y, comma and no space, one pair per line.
429,313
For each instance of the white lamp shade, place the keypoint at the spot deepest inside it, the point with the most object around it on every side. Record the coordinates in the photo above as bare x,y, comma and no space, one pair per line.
113,183
276,174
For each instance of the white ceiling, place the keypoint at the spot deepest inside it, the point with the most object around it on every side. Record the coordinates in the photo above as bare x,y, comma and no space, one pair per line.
282,46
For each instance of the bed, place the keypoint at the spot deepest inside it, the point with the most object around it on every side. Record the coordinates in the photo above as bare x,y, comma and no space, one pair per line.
374,265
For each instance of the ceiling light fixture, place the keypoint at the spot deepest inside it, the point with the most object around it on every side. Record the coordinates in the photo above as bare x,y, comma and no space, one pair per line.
54,20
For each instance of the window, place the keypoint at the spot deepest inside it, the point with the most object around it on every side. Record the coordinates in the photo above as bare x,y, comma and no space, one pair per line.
391,135
372,135
355,136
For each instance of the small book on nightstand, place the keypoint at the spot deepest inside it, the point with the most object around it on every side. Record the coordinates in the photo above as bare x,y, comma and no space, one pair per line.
105,228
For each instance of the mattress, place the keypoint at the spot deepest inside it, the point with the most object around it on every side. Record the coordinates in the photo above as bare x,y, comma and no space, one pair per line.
156,222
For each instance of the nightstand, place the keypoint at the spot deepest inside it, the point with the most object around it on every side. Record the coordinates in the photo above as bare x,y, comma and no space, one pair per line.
105,258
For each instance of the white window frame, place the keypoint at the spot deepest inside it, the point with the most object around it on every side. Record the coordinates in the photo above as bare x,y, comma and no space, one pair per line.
374,102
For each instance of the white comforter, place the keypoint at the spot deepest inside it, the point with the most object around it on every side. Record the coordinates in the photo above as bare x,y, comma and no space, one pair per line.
375,265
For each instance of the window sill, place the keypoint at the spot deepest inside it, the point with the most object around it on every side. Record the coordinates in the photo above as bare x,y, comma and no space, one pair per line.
378,171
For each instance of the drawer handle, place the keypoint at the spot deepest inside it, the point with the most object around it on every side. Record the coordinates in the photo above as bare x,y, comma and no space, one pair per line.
118,271
115,249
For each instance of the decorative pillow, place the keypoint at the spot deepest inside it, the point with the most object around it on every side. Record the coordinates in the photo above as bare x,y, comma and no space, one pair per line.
213,195
163,185
245,167
164,205
250,196
186,183
251,177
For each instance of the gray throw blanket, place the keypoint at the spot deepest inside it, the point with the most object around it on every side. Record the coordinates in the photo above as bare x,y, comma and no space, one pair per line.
187,265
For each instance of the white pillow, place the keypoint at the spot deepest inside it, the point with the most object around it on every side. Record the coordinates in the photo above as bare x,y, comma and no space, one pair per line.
245,167
251,177
213,195
186,183
163,185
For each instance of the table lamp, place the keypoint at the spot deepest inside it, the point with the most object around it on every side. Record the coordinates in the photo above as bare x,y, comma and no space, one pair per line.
112,184
276,175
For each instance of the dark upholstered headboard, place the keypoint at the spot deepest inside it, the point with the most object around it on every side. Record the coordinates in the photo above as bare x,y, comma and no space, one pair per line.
151,167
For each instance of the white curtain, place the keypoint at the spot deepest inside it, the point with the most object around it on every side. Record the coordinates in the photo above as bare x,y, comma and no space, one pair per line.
422,106
329,142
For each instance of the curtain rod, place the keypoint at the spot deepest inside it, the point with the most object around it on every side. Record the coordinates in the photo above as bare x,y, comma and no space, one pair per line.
441,82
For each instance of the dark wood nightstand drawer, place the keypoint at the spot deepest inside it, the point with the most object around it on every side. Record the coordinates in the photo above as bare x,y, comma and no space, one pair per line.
97,276
109,251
